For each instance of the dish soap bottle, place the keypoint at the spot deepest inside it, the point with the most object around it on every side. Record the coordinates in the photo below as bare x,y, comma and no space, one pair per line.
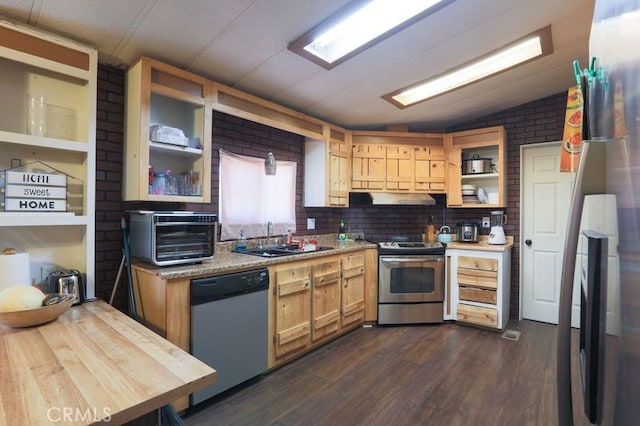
241,244
342,236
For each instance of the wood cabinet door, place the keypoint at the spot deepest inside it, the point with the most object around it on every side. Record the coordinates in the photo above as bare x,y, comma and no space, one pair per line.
339,174
293,309
368,166
454,177
429,167
353,281
437,169
325,307
400,167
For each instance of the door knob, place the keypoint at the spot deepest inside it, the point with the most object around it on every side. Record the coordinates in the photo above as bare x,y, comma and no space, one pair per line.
528,242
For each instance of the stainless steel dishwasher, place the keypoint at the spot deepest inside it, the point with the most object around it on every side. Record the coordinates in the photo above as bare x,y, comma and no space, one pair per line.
229,327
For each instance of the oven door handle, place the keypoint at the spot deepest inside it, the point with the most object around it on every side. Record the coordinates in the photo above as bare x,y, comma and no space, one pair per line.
411,259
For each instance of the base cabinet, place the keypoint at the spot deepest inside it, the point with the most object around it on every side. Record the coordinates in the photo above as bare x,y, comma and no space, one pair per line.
314,301
292,287
478,287
325,300
353,280
310,302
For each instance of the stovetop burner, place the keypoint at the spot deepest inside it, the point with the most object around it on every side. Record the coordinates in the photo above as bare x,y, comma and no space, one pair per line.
410,247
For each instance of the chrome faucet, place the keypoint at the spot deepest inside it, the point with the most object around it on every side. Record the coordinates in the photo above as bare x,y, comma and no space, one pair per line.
269,232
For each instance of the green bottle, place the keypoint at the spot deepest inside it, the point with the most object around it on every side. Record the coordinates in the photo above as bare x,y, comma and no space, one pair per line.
342,236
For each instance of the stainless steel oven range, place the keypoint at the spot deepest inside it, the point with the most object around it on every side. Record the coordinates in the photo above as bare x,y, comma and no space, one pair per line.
410,282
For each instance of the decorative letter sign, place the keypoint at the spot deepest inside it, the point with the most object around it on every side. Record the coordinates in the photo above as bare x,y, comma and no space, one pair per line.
35,192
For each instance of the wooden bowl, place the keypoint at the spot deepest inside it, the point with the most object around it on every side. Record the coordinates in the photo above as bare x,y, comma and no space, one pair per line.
31,317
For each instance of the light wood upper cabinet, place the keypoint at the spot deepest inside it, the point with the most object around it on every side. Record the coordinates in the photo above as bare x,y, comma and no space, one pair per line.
159,94
398,162
400,168
337,161
430,169
368,170
327,169
487,142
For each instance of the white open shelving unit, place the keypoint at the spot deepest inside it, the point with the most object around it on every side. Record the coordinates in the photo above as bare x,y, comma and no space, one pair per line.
64,72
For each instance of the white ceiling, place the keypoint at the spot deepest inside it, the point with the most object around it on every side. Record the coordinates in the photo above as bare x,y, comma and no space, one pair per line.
243,43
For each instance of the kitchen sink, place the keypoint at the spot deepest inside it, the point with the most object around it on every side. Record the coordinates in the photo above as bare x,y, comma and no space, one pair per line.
277,251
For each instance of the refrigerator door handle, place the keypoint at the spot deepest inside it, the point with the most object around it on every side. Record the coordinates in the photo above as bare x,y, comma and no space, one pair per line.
590,179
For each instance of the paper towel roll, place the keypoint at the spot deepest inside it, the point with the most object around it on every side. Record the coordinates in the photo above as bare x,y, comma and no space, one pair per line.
14,270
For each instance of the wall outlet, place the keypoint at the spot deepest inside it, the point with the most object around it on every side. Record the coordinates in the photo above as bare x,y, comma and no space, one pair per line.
311,223
486,222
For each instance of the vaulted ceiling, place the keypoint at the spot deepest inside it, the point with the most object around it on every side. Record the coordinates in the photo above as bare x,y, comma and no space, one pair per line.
243,43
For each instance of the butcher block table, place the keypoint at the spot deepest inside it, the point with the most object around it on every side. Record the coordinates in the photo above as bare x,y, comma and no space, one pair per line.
93,363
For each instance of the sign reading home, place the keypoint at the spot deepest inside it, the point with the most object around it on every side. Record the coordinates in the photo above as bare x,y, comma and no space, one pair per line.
35,192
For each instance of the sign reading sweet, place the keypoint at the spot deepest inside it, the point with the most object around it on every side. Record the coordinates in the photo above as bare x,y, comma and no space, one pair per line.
35,192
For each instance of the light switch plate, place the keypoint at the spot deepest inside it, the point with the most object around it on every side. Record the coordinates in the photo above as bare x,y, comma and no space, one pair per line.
311,223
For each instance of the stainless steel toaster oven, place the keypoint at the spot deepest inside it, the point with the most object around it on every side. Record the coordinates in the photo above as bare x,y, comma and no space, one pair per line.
166,238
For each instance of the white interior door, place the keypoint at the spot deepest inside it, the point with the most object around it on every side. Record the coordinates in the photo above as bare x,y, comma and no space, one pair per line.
544,208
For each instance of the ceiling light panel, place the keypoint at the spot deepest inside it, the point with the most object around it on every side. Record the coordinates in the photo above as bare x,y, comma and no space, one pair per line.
360,25
530,47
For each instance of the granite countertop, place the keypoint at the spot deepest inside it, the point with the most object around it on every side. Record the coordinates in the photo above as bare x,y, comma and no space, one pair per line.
481,245
225,261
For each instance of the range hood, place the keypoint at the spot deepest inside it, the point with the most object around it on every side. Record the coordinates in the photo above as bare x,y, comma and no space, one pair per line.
404,198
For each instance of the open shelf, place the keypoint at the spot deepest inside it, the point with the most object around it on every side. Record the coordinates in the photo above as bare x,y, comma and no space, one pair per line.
175,149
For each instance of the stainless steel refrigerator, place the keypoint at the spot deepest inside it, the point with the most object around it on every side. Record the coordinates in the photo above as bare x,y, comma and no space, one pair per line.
608,361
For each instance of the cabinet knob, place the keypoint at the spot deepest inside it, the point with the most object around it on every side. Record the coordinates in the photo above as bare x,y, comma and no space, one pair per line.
528,242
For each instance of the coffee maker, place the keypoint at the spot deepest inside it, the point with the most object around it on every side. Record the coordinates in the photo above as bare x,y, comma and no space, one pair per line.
68,281
496,235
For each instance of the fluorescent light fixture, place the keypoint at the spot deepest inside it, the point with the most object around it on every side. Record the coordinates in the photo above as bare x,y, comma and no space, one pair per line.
528,48
358,26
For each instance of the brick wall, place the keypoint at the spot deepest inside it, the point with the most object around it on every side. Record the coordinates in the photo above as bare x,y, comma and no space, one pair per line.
539,121
109,206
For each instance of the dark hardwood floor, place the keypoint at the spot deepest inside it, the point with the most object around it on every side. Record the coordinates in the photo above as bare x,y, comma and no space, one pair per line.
446,374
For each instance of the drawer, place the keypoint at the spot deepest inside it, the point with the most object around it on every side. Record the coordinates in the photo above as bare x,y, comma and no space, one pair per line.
474,294
478,263
477,315
477,278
